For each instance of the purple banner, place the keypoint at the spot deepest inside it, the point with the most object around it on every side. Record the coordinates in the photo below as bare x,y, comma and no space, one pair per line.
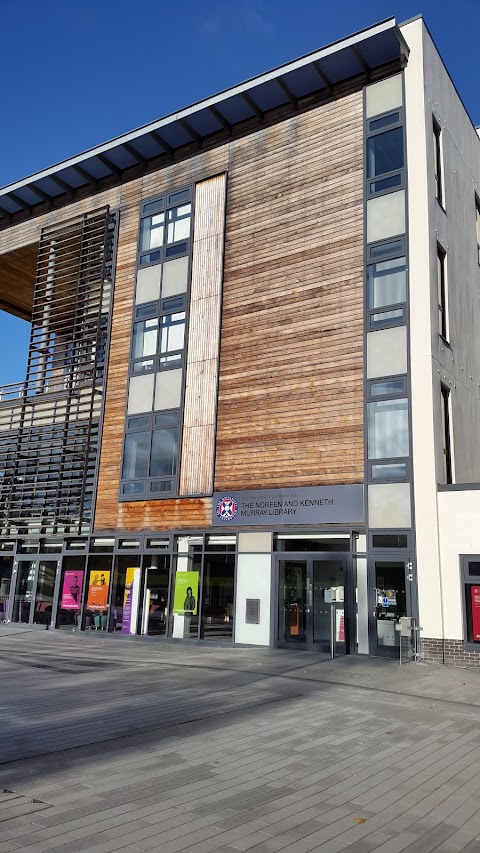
127,611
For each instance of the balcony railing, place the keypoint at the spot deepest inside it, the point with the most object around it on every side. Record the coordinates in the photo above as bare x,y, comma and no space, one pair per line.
14,391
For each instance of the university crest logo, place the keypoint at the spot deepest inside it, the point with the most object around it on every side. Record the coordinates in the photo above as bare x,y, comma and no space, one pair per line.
227,508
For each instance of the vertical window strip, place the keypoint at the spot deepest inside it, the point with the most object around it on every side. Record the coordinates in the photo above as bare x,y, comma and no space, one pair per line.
151,453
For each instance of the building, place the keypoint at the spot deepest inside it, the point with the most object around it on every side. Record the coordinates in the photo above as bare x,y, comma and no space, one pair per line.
252,402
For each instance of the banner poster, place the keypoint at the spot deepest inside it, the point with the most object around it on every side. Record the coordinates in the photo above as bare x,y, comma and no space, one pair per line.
185,601
130,574
72,590
340,625
475,593
130,601
98,583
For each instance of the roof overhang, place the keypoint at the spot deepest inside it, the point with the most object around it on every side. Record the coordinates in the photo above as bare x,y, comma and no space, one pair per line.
316,73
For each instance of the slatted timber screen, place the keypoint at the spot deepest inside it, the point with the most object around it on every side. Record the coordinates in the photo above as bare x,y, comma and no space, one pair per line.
49,434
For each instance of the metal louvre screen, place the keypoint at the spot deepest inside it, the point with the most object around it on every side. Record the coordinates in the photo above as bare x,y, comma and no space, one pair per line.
49,430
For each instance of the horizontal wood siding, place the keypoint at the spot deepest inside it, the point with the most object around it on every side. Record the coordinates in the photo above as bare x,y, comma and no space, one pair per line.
200,409
290,377
290,395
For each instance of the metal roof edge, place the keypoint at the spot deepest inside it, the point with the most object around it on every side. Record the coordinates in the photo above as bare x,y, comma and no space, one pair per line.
333,47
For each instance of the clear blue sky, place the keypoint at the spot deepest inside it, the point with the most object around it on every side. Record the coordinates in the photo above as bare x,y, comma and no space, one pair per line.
77,74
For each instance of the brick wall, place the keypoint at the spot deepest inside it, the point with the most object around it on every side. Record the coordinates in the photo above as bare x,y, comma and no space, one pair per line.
450,652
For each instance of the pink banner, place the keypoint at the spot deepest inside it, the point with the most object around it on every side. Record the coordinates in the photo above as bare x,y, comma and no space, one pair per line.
72,590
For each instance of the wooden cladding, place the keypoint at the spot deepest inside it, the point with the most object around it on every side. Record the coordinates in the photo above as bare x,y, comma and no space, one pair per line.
290,408
199,415
17,280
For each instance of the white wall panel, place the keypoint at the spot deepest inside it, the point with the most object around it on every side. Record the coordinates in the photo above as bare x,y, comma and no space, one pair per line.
253,581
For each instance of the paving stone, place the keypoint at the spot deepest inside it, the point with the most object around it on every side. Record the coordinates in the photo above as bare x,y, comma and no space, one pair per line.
205,749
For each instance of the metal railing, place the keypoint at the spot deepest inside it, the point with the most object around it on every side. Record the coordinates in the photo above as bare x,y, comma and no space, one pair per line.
13,391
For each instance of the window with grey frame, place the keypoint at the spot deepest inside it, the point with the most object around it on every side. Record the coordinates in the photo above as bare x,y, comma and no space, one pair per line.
386,284
385,155
151,451
388,430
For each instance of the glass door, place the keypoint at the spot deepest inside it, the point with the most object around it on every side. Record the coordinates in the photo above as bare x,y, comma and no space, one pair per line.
329,605
43,602
155,594
6,565
392,592
293,594
311,610
24,587
218,587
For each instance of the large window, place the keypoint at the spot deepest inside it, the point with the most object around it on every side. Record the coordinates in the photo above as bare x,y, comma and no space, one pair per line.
437,161
150,465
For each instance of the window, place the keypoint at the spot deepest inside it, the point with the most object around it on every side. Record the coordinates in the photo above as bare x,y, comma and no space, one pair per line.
390,540
387,283
385,158
385,152
446,441
437,161
150,464
387,429
477,225
442,293
388,437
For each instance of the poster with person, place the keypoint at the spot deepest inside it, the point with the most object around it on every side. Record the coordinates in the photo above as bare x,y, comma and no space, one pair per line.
185,601
72,590
98,584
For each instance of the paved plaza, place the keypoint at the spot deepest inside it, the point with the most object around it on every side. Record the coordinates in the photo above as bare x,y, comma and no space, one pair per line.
108,743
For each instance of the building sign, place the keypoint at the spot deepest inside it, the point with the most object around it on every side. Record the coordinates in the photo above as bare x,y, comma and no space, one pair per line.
475,593
275,507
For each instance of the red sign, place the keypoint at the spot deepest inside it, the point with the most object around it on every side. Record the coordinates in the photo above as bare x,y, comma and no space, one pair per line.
475,593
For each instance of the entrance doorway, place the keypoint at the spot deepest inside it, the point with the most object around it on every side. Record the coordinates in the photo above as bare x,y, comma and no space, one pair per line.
392,589
311,605
155,607
34,587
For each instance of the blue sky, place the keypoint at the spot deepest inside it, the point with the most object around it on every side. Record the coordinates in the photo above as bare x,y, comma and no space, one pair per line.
76,74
